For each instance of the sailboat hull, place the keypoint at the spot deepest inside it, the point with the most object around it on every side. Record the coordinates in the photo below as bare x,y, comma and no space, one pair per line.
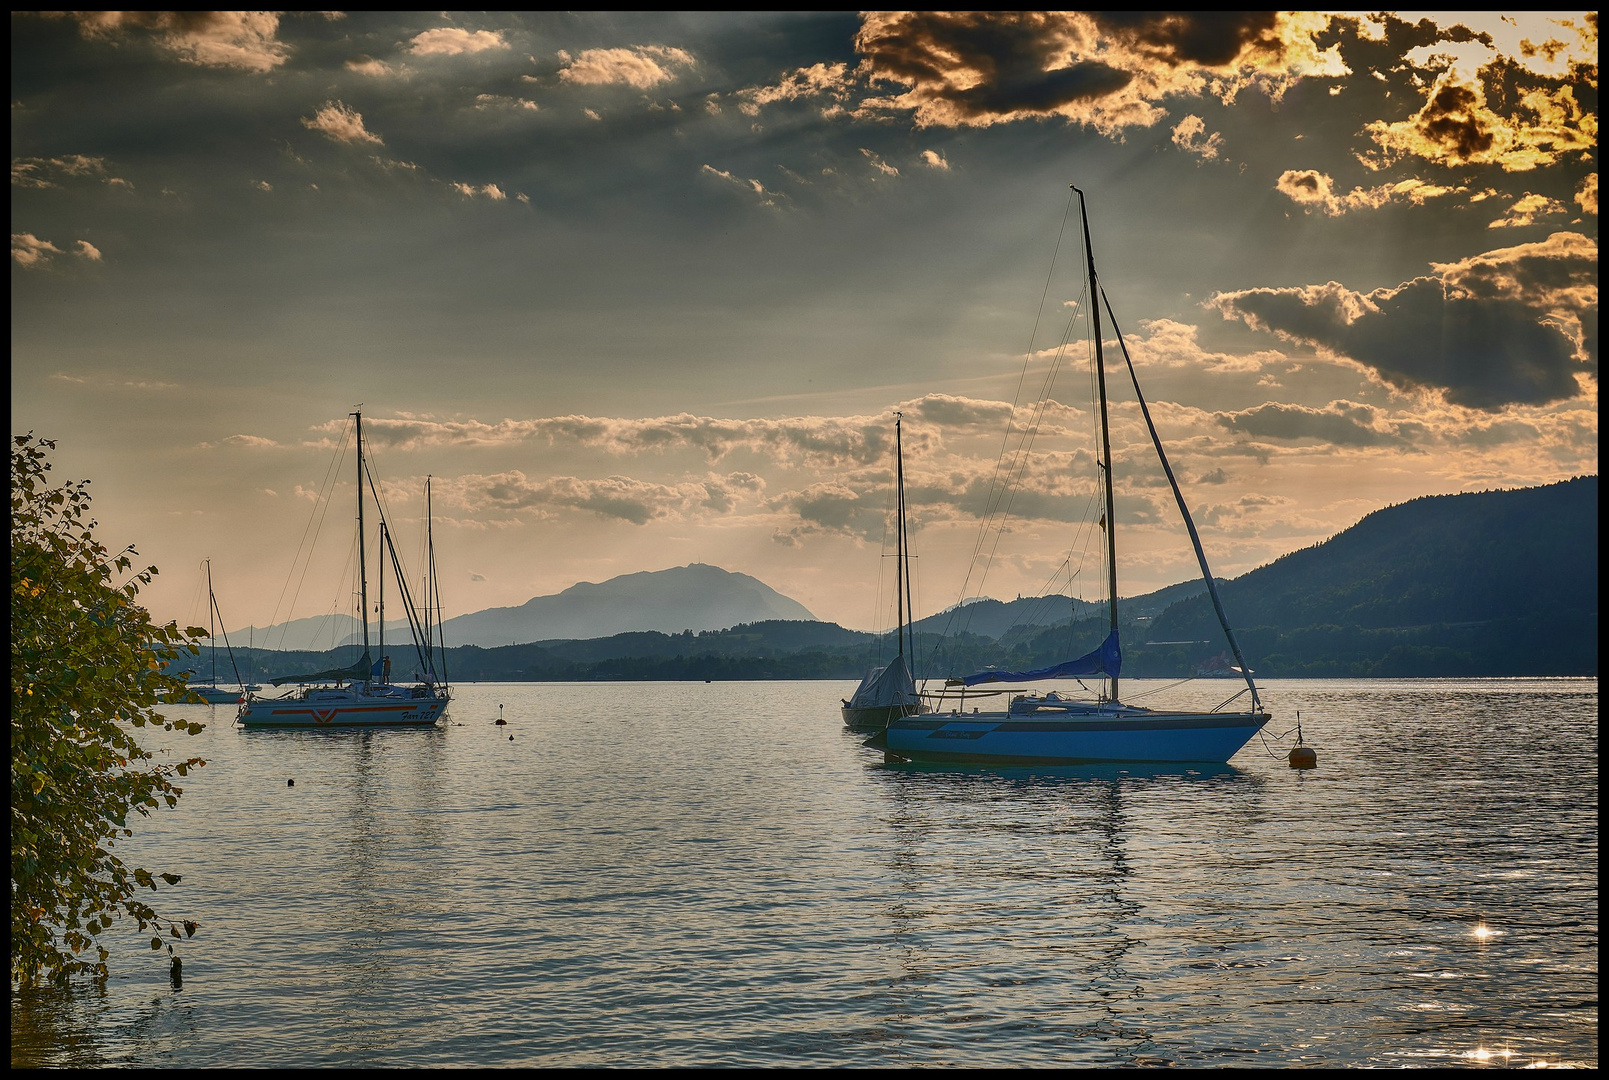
875,717
1098,736
354,710
211,695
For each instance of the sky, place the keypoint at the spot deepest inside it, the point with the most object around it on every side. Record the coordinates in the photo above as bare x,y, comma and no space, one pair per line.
639,290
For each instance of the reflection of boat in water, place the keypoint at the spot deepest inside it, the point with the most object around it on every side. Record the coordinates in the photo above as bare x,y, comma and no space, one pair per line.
1053,728
362,694
890,691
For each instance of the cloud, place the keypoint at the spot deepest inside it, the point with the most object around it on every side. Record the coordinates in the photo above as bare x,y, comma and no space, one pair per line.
1164,343
1188,135
29,251
1586,196
1510,326
1340,423
766,197
809,440
832,81
490,191
375,69
38,172
617,497
454,41
501,101
87,250
244,40
878,163
1456,127
1108,70
248,442
1315,190
641,66
1527,209
341,123
934,159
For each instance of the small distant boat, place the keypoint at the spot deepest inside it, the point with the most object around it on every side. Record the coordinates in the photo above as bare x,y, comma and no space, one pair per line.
1051,728
362,694
890,691
1221,666
208,689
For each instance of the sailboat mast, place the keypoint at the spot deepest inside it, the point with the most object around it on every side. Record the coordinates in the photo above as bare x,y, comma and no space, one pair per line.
434,583
902,580
383,542
212,624
430,565
1106,437
363,571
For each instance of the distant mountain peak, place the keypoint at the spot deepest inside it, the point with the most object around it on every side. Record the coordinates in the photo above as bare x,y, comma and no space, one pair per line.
695,597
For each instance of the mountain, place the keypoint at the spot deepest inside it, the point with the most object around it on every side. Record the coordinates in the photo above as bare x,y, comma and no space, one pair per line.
1482,583
695,597
316,633
992,618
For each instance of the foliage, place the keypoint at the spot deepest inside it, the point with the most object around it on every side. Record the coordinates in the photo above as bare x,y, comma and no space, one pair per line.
87,666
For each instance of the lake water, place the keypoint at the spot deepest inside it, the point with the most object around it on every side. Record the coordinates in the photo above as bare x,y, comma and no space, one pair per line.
720,875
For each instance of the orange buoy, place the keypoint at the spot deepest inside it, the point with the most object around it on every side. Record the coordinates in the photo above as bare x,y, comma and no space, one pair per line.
1302,756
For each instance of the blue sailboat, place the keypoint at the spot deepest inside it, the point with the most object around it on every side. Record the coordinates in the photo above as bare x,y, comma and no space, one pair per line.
1050,728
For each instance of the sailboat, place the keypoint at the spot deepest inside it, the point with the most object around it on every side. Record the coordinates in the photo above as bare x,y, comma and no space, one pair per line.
363,694
208,689
890,691
1050,728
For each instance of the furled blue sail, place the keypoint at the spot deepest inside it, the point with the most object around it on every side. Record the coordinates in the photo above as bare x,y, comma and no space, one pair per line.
1105,660
346,674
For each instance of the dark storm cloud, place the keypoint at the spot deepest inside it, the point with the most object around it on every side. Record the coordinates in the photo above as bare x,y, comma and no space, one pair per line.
1205,38
1012,53
1107,69
1510,327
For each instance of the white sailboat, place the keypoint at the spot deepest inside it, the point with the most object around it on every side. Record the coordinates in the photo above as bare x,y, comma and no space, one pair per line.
890,691
208,689
1052,728
363,694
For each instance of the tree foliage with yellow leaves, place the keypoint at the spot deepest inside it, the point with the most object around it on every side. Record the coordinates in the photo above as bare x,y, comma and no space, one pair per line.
88,666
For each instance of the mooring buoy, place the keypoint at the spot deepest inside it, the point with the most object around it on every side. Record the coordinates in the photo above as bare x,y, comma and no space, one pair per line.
1302,756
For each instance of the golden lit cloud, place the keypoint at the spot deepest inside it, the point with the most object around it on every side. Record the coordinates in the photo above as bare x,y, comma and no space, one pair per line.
454,41
1527,209
641,66
1456,127
245,40
833,81
1586,196
30,251
341,123
1190,134
1314,190
1109,70
754,187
